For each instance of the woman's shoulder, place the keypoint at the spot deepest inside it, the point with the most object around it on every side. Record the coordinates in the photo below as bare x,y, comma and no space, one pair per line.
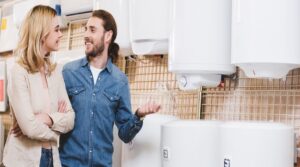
17,73
18,69
57,70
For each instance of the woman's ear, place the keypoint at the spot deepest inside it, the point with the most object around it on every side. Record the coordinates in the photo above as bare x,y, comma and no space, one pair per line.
43,39
108,36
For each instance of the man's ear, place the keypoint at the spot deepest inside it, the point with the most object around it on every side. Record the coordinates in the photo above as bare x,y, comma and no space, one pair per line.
108,36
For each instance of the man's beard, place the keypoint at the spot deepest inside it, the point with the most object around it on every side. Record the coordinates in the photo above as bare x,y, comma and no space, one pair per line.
97,50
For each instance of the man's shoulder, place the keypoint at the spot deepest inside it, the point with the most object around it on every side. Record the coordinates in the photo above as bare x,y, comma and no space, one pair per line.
73,65
118,74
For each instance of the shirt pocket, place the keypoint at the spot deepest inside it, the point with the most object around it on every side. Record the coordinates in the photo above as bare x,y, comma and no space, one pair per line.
76,95
75,90
112,100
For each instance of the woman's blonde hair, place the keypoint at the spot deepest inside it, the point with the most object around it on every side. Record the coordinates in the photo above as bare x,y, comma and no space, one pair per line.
35,27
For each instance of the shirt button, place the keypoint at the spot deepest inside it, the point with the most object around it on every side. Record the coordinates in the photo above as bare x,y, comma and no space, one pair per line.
91,76
91,151
91,132
111,98
94,94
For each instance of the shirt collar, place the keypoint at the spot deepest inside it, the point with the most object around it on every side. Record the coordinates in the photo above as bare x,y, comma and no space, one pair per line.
85,62
109,65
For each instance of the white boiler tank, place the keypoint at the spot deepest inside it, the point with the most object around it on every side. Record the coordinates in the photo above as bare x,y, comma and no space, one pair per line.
2,130
21,8
117,144
254,144
190,143
199,50
266,37
120,11
149,26
9,32
144,150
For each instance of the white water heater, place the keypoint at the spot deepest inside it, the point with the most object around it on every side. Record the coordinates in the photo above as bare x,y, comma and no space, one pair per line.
254,144
120,11
190,143
3,84
76,9
0,19
149,26
9,33
21,9
144,150
266,37
117,144
200,41
2,135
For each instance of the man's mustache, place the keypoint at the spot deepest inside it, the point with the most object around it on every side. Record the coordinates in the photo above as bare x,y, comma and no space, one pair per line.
88,40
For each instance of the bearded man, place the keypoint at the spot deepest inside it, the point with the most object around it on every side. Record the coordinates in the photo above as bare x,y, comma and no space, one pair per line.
100,96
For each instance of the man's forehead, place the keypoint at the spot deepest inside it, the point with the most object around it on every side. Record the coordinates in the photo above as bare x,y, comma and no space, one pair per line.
94,22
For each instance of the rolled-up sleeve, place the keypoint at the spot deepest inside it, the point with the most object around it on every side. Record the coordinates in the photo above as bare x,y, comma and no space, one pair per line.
21,104
63,122
128,124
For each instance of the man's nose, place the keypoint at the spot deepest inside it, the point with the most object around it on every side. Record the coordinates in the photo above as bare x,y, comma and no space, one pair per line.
86,34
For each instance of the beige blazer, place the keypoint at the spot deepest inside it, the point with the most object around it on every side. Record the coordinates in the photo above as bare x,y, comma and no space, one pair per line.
27,97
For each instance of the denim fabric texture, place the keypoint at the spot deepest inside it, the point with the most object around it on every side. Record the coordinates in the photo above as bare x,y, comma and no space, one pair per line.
97,108
46,158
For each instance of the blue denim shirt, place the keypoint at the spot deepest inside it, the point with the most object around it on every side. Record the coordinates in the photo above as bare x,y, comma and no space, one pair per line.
97,108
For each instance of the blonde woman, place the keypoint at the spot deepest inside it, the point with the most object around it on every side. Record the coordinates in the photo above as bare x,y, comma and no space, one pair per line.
39,103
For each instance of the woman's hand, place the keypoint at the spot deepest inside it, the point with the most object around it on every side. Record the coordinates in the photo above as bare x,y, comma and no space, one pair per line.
46,119
16,130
